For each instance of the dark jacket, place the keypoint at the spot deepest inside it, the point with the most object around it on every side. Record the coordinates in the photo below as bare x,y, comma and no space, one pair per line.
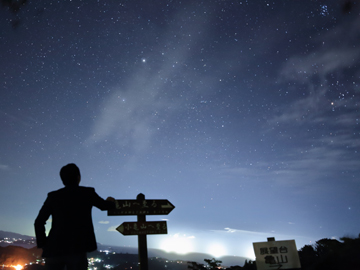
72,229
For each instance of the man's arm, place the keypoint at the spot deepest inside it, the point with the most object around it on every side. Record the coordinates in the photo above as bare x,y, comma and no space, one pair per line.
40,222
102,204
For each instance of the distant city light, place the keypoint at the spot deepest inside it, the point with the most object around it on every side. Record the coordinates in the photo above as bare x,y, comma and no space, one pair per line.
217,250
18,267
178,244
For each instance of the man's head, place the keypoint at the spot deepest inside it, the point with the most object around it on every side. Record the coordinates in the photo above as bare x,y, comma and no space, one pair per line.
70,175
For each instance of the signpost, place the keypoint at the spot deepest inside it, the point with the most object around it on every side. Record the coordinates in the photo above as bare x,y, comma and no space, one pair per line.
141,207
274,255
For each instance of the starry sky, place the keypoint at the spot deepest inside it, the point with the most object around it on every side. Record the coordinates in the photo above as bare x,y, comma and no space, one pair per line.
243,114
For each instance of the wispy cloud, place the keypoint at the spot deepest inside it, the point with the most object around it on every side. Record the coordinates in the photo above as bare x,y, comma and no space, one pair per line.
319,63
232,230
303,167
104,222
112,229
313,73
303,111
4,167
255,234
327,56
324,104
133,114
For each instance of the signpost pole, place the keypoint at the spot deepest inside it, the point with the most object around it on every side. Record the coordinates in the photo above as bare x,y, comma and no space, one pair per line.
142,242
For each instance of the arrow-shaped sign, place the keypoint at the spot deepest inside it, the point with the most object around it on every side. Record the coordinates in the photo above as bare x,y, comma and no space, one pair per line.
140,228
145,207
168,205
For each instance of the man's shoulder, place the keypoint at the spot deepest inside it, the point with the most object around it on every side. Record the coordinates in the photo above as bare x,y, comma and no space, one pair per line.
54,192
86,189
67,189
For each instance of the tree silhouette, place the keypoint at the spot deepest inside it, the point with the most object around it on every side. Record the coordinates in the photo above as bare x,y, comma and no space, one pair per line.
331,254
212,264
307,255
326,246
196,266
249,265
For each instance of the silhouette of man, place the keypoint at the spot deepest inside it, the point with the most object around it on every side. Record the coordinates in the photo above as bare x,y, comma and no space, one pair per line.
72,232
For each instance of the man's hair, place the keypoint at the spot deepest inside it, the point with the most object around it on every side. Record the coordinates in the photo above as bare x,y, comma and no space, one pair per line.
69,174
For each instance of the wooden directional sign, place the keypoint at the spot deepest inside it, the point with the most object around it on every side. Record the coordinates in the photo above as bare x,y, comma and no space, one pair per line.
140,228
140,208
145,207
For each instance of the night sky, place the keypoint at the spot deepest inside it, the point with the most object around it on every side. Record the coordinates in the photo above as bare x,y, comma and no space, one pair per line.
243,114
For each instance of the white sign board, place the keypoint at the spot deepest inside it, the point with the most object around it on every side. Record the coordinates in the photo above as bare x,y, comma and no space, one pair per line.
274,255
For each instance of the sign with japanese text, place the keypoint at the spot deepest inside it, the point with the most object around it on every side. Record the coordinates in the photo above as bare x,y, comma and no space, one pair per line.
140,208
139,228
145,207
276,255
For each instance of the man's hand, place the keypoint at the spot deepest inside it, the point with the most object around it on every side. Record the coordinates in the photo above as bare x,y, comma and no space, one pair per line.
111,199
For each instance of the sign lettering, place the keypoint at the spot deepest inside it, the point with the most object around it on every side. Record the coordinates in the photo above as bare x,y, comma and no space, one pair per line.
145,207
